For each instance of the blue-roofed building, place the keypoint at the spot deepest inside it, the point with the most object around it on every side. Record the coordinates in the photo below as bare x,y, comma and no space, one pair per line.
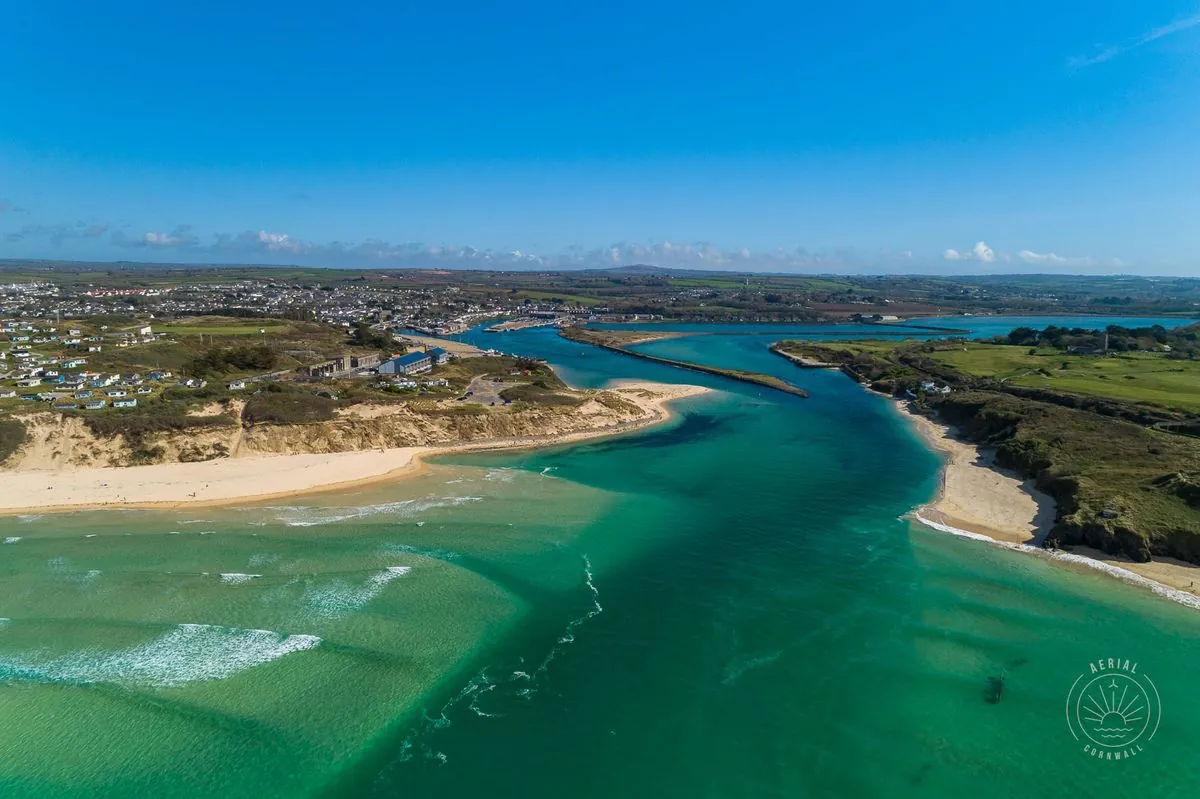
414,363
439,356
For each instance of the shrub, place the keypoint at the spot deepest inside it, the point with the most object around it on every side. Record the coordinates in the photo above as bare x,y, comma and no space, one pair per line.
220,360
538,393
12,436
280,406
135,424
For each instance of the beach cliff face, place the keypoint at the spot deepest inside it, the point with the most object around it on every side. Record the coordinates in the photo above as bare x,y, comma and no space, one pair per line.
55,441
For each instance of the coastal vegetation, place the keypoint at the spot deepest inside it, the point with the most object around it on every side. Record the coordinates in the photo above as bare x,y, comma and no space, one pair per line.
1119,456
228,360
277,403
150,418
12,436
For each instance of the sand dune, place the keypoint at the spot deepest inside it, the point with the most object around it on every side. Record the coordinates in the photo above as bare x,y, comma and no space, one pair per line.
257,476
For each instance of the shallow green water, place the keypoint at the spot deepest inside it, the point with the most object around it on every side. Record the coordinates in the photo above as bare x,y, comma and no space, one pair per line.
729,606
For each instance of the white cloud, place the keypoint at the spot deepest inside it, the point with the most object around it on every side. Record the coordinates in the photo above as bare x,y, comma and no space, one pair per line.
280,242
1031,257
980,252
1054,259
1111,52
181,236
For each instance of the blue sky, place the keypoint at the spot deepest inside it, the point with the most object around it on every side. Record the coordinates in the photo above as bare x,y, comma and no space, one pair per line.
852,136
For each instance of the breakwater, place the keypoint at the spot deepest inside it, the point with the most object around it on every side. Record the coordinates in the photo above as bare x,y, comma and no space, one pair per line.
597,339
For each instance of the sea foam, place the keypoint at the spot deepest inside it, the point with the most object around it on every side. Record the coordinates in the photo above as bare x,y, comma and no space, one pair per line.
1165,591
300,516
340,597
185,654
236,578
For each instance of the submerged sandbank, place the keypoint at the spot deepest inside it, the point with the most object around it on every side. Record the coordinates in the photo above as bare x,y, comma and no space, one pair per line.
260,477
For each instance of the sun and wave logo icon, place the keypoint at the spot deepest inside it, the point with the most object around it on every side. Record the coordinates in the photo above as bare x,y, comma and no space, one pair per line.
1113,709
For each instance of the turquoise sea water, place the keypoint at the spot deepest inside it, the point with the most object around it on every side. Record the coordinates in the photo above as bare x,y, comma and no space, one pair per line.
725,606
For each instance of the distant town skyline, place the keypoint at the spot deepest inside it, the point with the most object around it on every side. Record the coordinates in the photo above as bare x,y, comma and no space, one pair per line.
861,138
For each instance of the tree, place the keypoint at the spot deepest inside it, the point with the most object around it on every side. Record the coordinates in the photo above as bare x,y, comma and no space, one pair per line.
1023,336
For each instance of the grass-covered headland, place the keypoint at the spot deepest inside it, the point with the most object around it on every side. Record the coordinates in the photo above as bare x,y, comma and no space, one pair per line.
1110,434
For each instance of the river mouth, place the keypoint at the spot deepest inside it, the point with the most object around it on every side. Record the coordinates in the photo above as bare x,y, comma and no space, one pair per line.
729,605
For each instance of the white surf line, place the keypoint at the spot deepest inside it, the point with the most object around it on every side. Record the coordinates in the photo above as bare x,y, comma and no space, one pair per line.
1163,590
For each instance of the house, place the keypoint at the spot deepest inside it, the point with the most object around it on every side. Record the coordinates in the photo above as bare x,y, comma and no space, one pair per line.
237,385
7,393
365,361
125,403
144,331
414,363
145,390
82,395
95,405
439,356
117,392
330,367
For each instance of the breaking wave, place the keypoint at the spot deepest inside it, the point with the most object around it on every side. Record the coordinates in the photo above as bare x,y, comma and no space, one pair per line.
12,539
236,578
186,654
1165,591
300,516
340,597
504,474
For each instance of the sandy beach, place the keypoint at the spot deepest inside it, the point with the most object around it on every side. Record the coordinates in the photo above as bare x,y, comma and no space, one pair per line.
258,477
977,497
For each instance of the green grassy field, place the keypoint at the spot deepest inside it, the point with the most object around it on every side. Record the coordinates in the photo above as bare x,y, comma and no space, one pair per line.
222,327
577,299
1137,377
